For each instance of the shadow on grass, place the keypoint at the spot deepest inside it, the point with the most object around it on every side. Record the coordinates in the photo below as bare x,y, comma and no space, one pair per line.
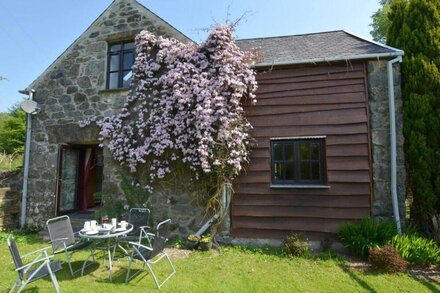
64,274
353,276
427,283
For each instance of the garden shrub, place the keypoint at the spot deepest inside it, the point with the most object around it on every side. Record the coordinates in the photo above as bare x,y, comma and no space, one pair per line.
386,259
296,245
359,237
417,250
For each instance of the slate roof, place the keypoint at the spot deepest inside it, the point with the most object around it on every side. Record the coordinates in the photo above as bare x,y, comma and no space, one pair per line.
316,47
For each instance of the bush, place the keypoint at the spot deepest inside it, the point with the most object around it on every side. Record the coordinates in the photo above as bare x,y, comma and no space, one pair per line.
386,259
359,237
296,245
417,250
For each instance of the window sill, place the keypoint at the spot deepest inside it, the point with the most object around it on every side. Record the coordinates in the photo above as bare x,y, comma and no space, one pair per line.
299,186
112,91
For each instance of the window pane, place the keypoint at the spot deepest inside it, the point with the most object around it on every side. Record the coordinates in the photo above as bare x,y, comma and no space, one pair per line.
305,170
314,151
115,48
288,152
128,61
113,80
278,171
277,151
315,171
128,46
304,151
126,78
114,62
289,172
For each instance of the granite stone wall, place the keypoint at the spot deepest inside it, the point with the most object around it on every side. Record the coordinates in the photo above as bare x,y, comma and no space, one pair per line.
72,89
11,184
380,140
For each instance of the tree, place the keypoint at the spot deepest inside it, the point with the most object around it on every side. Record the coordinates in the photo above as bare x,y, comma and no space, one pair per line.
13,131
381,22
415,28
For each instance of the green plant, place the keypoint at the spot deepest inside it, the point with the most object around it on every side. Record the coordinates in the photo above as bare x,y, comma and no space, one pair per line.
296,245
386,259
417,250
110,206
359,237
194,237
206,238
135,194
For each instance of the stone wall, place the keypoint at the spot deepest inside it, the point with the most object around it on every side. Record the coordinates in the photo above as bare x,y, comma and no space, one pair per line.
380,139
11,184
72,89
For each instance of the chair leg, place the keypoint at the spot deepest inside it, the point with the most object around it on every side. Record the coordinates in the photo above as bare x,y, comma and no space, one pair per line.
150,268
154,276
54,278
17,281
68,259
127,278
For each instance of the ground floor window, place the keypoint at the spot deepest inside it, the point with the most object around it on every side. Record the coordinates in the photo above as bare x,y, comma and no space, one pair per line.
298,161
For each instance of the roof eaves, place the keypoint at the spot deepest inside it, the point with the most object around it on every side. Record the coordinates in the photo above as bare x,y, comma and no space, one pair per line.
373,42
332,59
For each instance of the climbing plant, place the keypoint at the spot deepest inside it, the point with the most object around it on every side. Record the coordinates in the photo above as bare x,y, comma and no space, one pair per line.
185,115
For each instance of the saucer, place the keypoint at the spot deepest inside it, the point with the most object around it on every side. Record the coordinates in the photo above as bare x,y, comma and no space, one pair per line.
92,232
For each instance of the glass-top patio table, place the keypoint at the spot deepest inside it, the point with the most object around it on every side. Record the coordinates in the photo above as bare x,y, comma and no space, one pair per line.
108,235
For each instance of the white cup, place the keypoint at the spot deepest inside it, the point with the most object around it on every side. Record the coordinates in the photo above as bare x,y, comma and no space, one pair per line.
87,225
93,224
123,224
114,222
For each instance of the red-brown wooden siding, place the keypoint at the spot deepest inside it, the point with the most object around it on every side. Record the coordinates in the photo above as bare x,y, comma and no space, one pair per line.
328,100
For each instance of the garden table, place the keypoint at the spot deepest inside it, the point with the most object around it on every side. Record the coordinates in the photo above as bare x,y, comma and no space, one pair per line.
109,236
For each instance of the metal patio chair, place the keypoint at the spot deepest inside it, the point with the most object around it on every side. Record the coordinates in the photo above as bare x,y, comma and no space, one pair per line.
63,239
151,255
39,267
139,218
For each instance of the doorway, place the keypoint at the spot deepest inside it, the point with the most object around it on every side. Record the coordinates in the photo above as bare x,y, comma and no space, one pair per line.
79,177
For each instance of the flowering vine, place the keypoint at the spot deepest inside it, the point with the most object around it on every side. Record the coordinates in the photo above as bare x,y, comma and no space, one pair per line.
186,106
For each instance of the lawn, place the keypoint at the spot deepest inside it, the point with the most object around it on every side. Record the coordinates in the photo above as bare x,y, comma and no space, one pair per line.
232,269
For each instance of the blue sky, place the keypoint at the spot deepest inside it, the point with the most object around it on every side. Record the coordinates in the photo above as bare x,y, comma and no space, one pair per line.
34,33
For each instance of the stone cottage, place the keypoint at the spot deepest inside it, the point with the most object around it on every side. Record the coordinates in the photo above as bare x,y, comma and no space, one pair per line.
321,124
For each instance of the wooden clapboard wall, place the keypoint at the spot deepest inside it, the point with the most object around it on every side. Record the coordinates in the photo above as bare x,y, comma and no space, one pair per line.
326,100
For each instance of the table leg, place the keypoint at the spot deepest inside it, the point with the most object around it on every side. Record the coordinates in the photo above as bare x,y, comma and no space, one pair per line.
110,268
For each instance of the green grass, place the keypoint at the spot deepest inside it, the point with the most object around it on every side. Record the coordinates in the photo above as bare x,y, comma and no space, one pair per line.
233,269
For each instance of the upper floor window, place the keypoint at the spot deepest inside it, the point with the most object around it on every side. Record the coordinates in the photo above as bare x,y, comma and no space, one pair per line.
119,62
298,161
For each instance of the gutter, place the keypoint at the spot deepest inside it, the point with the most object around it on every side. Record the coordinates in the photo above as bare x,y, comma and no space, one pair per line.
393,148
388,55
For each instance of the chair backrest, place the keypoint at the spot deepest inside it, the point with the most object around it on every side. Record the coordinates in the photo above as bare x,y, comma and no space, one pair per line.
60,228
138,217
159,240
15,254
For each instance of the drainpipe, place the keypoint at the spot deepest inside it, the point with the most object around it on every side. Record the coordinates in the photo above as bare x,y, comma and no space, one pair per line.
393,147
26,162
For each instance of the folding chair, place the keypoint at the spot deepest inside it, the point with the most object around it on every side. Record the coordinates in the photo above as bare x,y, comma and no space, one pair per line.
63,239
39,267
151,255
139,218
